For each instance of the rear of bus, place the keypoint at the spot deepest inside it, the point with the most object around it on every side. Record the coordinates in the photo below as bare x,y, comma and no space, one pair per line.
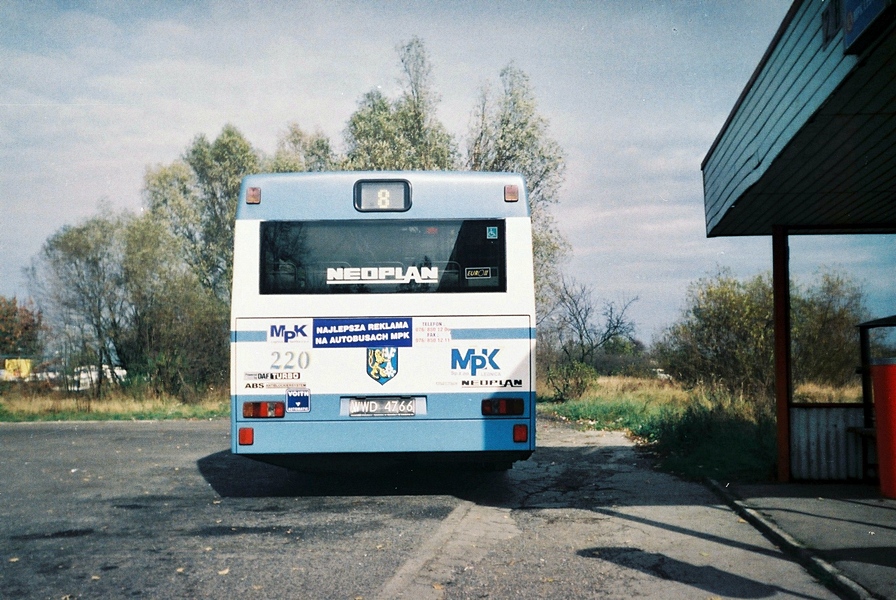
383,315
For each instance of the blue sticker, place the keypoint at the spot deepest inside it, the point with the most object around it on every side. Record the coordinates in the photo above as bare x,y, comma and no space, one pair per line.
298,400
363,333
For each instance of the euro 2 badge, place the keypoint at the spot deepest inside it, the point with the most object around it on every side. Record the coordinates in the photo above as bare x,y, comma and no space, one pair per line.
382,363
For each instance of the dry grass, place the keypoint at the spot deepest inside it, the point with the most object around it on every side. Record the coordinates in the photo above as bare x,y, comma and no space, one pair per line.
667,392
636,389
815,393
21,405
639,388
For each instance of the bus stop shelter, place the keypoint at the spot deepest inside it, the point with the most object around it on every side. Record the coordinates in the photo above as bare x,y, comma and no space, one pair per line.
808,149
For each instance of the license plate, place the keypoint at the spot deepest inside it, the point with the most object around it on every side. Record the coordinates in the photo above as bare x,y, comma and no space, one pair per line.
382,407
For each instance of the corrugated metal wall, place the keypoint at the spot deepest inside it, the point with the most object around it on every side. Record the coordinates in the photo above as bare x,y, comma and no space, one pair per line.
821,447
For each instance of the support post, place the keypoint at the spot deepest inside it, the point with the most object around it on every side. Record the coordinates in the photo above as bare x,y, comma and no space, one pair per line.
865,358
783,371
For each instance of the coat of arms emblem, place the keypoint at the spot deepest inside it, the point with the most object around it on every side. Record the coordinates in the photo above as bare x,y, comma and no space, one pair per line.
382,363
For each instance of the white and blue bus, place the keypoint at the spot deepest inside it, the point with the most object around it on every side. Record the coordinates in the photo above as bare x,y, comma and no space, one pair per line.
383,315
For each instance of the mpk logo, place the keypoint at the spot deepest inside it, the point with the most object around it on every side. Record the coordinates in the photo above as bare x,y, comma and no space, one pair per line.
474,361
287,335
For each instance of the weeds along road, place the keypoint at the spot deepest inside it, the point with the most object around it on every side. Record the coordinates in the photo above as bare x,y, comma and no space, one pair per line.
163,510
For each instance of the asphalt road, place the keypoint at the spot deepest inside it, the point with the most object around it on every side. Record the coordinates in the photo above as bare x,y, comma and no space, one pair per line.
163,510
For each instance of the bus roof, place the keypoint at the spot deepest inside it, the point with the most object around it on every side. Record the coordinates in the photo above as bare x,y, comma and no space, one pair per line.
330,195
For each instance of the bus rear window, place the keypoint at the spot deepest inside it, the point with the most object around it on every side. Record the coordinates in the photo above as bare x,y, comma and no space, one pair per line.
383,256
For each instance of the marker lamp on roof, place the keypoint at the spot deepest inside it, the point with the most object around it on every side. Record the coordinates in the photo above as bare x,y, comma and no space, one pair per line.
253,195
511,193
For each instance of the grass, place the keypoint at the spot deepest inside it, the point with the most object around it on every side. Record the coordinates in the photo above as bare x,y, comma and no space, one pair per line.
19,404
813,392
620,403
697,433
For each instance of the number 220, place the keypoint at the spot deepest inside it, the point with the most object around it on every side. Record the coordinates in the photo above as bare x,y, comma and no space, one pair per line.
290,360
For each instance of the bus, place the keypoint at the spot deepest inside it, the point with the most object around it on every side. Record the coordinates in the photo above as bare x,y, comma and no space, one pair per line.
383,316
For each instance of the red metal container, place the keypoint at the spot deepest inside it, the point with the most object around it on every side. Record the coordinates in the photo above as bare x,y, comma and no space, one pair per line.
883,380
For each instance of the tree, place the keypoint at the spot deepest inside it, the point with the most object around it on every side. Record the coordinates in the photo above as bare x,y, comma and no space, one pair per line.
119,294
185,323
574,338
298,151
429,143
725,335
824,335
179,336
404,134
21,325
78,275
197,197
581,336
372,136
176,331
508,134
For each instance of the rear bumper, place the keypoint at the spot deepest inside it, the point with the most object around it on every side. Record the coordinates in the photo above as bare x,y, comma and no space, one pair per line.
386,435
377,461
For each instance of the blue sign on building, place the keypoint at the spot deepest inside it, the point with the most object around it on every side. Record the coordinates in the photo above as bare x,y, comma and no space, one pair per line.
859,16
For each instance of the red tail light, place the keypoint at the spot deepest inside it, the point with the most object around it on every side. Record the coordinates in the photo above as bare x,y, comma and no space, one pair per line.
246,436
503,406
264,410
520,433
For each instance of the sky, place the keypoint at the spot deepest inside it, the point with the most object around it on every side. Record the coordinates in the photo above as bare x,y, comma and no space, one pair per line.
634,91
